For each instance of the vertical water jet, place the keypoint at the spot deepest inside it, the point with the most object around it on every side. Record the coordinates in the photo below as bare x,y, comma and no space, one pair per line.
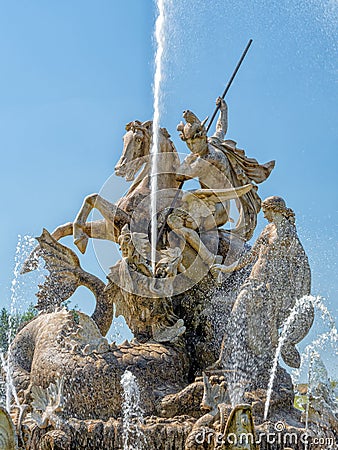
157,86
133,437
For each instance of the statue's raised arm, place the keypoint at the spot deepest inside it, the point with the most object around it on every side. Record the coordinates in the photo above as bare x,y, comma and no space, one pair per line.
219,164
222,122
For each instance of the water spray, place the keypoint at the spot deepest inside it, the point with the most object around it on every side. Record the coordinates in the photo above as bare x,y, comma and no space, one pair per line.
160,42
180,186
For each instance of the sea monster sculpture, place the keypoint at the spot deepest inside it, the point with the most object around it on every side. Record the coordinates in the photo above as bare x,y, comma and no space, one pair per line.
149,315
68,344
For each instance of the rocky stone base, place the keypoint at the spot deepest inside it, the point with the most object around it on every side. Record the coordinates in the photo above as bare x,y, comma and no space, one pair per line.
160,434
178,434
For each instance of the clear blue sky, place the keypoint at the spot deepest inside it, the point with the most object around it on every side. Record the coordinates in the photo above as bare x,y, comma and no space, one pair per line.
73,73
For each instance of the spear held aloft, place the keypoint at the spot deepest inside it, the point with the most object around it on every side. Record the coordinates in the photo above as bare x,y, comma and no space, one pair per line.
230,82
160,233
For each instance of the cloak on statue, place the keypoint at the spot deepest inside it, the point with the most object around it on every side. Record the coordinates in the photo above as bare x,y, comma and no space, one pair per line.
244,170
240,169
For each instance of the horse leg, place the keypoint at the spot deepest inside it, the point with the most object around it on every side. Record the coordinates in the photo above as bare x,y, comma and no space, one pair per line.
62,231
222,213
96,230
113,215
79,234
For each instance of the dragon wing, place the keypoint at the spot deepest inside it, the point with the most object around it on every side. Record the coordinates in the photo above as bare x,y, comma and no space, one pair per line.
64,272
220,195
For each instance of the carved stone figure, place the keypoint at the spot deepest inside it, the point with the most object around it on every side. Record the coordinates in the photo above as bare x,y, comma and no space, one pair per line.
65,276
218,164
8,438
203,433
135,156
280,275
240,430
47,403
66,373
199,210
222,427
147,308
322,407
68,344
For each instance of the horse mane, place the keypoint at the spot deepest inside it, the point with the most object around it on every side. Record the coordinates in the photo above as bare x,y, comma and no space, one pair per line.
138,125
172,161
147,128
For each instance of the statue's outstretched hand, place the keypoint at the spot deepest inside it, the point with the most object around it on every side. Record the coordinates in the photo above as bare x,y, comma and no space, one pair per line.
220,102
217,270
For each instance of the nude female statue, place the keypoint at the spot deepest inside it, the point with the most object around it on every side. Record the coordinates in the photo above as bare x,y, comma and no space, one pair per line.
280,275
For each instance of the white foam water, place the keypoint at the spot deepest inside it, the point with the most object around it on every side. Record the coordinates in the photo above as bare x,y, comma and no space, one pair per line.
132,414
307,407
18,292
329,337
9,388
318,344
299,305
157,87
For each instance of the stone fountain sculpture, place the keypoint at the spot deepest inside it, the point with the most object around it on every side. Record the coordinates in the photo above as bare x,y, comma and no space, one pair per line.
207,295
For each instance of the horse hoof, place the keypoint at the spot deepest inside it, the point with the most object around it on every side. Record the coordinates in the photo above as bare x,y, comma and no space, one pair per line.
81,242
80,237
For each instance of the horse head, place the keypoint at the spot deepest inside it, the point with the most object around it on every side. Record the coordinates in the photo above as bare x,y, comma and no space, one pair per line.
136,146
